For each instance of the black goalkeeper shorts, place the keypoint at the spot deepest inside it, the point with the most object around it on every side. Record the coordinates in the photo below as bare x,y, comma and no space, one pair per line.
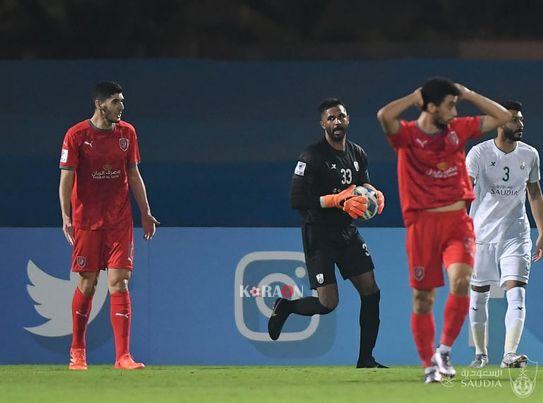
326,246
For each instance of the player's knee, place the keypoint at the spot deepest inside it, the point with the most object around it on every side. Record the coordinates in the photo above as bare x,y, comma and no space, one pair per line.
117,280
120,285
509,284
423,303
87,284
368,289
87,288
460,285
330,302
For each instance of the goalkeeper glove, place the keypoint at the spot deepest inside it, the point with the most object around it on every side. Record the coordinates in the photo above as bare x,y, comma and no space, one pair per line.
337,200
380,201
355,206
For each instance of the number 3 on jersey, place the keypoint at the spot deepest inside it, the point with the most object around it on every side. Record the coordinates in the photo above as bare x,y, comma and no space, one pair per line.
347,176
506,177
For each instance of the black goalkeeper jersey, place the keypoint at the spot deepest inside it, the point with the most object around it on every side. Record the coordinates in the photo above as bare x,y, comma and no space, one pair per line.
323,170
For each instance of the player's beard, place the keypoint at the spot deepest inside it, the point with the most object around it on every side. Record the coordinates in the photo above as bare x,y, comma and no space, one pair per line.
337,134
512,135
112,117
440,123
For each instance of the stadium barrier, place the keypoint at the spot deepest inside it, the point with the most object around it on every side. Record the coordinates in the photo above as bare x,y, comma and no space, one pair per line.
201,296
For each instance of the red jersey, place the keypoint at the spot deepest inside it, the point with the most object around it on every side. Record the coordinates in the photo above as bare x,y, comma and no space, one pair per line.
431,168
100,158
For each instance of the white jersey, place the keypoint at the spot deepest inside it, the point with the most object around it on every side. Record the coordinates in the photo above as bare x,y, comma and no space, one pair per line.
499,211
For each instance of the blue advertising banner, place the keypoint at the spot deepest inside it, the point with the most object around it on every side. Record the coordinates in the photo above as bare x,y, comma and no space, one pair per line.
203,295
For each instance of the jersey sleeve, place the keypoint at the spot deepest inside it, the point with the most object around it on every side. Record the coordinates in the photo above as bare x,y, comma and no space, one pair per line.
303,181
534,172
133,150
362,157
468,127
402,137
69,154
472,162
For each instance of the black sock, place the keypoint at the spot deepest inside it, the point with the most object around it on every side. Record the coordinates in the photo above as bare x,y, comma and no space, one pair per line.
369,325
307,306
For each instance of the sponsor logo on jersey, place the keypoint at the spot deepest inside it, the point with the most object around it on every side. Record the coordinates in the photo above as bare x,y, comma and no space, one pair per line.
447,173
300,168
502,190
442,166
492,163
421,142
356,166
522,165
123,143
107,172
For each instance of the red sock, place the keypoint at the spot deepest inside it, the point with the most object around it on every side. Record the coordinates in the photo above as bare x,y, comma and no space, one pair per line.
424,331
456,309
120,314
81,307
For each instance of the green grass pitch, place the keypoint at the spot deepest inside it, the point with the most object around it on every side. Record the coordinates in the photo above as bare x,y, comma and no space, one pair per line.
54,383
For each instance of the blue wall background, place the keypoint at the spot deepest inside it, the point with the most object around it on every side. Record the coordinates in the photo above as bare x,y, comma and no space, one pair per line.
221,131
184,294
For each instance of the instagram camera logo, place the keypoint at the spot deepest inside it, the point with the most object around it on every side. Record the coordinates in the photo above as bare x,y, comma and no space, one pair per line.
261,278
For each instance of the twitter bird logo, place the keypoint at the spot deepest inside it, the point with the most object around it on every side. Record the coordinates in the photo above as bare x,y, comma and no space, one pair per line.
53,300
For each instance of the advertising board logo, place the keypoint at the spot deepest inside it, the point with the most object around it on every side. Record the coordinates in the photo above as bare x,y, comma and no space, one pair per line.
261,278
53,300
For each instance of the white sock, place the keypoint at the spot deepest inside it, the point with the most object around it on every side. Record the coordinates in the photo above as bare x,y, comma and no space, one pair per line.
478,318
443,348
514,318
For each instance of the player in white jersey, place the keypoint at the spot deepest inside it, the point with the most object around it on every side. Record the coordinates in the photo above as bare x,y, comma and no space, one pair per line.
503,169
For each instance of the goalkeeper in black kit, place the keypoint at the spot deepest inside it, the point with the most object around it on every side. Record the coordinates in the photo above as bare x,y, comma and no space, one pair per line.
322,190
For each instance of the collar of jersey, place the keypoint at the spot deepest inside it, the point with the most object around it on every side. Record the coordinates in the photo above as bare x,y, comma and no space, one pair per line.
102,130
503,152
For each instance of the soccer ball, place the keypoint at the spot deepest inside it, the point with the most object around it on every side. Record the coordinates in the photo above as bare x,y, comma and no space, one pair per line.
372,201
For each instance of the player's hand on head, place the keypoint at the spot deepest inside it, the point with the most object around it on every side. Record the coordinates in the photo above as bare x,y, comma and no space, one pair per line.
355,206
417,96
149,223
463,90
538,254
68,230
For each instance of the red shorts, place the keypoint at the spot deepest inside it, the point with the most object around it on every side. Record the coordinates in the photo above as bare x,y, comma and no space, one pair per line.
100,249
436,240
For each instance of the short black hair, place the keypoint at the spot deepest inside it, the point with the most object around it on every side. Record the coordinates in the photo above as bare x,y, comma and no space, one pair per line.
512,105
436,89
330,103
104,89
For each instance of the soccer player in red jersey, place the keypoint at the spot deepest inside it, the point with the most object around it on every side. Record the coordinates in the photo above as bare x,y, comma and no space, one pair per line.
434,188
99,165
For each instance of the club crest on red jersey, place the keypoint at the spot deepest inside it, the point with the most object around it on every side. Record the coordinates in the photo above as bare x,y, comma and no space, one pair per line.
453,138
419,273
81,261
123,143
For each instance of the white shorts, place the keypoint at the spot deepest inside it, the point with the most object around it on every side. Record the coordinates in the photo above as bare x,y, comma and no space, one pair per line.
495,263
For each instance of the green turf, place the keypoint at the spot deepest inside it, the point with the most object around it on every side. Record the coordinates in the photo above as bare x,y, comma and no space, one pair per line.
53,383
